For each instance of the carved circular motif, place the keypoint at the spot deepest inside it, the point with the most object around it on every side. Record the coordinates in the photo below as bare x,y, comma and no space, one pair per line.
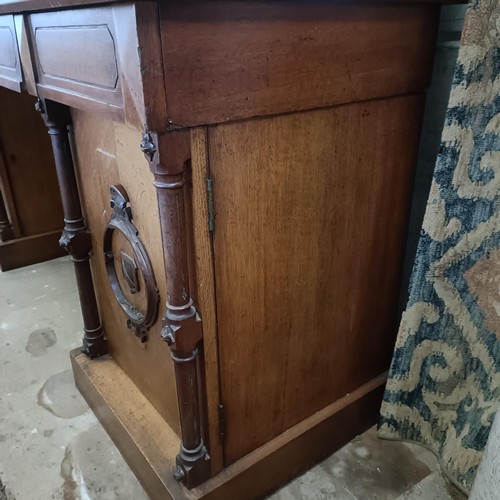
135,270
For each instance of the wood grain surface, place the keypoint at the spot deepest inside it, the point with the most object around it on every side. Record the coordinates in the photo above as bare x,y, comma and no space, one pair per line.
8,197
146,442
298,448
138,32
205,293
75,56
28,172
33,5
95,66
105,60
23,44
108,153
149,445
310,219
230,60
30,250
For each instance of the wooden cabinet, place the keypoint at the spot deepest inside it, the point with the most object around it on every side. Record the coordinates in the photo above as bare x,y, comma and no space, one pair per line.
30,205
241,175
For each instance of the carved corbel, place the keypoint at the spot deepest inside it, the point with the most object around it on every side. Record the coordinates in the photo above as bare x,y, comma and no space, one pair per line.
168,155
75,237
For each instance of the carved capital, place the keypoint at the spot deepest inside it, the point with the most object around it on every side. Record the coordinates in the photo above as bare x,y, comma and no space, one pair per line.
77,243
148,147
181,328
56,116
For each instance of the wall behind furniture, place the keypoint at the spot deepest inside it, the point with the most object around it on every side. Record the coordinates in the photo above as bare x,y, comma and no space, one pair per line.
450,28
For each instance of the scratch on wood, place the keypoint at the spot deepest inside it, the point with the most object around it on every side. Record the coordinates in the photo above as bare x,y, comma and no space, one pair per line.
105,153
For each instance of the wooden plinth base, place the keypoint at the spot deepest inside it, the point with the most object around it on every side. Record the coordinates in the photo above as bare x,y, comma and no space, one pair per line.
149,445
30,250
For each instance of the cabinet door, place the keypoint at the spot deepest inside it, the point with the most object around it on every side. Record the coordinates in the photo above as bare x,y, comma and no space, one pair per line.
310,221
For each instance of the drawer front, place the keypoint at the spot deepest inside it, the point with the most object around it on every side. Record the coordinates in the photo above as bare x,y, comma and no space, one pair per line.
10,67
235,60
76,56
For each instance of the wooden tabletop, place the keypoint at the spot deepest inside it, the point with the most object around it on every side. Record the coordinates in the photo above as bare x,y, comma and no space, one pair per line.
16,6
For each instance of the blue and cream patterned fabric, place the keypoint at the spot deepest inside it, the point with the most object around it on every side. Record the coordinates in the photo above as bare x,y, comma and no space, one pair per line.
444,382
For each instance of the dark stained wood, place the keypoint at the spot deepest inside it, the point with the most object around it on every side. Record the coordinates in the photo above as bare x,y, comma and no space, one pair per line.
168,155
310,219
231,60
10,67
32,5
29,84
5,226
75,53
75,238
28,181
109,62
29,171
7,197
30,250
123,78
149,445
138,38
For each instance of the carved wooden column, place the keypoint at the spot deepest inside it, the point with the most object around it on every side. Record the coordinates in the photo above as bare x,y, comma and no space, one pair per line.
168,154
5,227
75,238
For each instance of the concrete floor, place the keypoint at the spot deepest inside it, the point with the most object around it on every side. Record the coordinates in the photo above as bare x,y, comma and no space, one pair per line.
52,447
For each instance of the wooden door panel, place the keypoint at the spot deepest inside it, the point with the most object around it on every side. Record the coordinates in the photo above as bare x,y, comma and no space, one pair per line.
310,221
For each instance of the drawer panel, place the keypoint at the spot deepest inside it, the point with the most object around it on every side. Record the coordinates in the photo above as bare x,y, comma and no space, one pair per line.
95,66
10,67
77,57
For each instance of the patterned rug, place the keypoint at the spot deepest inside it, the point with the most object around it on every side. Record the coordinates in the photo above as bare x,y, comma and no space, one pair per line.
444,382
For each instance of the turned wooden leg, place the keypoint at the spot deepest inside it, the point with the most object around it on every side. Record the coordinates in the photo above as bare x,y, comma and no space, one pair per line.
75,238
5,227
182,329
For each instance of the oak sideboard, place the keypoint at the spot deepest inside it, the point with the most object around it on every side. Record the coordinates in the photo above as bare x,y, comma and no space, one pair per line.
235,179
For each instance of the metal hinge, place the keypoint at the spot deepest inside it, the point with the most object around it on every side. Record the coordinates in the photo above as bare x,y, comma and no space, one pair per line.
210,202
222,421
